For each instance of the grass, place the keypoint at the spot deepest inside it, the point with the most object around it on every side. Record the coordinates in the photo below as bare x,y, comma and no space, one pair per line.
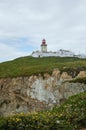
79,80
26,66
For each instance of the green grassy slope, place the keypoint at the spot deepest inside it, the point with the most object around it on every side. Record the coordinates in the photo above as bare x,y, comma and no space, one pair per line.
26,66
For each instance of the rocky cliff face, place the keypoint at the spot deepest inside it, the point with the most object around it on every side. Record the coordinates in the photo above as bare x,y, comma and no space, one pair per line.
34,93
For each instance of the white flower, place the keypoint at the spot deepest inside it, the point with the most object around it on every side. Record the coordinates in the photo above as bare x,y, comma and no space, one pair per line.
57,121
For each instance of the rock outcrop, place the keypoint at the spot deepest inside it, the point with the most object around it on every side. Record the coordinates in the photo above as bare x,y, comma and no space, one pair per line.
35,93
81,74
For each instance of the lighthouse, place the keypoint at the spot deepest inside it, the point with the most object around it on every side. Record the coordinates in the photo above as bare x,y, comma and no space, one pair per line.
43,46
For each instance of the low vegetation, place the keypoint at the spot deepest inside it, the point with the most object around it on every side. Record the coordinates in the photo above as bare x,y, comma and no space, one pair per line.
69,116
26,66
79,80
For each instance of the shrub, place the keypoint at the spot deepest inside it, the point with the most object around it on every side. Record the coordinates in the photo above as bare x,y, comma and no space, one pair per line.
69,116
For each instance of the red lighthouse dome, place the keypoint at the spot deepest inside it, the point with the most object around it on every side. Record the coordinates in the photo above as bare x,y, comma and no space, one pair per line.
43,42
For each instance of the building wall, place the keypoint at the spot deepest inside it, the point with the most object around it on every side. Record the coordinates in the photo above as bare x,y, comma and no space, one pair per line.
44,48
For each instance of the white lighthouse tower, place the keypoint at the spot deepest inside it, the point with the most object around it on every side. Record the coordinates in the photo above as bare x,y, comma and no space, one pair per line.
43,46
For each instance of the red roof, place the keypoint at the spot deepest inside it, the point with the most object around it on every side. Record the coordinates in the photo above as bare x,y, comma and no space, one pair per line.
43,43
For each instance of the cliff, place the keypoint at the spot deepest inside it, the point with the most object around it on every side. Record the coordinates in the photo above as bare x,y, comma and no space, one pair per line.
37,92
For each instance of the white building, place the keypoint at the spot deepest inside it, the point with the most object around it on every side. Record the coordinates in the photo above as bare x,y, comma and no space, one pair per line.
59,53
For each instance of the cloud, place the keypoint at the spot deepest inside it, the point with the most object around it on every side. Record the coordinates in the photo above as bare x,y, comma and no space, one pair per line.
23,24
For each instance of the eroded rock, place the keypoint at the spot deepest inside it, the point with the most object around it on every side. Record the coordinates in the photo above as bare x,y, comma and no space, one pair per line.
81,74
36,93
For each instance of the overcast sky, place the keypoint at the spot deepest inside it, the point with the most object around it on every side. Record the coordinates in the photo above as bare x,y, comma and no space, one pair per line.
24,23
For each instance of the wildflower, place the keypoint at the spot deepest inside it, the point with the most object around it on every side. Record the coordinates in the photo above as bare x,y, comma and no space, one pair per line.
57,121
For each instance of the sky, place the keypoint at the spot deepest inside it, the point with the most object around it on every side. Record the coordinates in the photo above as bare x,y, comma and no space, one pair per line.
24,23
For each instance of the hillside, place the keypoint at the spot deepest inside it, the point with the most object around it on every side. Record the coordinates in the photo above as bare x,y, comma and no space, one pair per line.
25,90
26,66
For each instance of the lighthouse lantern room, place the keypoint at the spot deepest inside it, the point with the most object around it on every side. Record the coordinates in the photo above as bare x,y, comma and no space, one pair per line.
43,46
